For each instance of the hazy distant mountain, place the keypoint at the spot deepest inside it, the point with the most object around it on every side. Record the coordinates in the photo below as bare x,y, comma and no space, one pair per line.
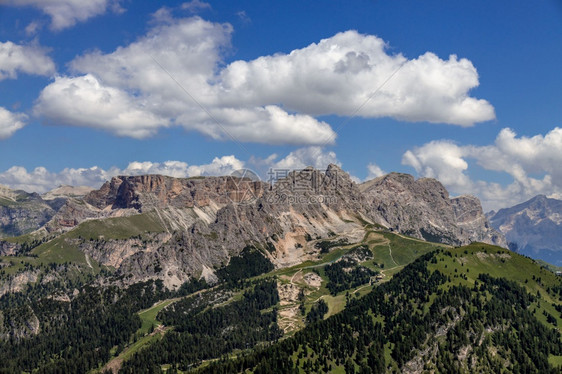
22,212
67,192
533,228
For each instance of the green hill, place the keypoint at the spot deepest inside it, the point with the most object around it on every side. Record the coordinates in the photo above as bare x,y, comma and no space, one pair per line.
477,308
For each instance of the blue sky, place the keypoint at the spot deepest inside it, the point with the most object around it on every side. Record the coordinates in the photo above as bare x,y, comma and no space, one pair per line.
93,89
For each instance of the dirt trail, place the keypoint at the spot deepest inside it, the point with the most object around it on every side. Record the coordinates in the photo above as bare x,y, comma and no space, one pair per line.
294,275
390,252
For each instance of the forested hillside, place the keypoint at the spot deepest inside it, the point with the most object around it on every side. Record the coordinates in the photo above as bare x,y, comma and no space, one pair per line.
387,303
424,319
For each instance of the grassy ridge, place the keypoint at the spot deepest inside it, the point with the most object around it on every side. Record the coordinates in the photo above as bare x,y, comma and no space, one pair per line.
148,316
463,265
439,291
65,248
117,228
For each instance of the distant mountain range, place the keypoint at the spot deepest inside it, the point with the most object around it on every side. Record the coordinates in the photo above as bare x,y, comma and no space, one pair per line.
533,228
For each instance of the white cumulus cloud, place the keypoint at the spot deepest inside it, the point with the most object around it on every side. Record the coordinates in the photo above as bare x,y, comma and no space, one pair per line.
224,165
339,74
41,180
85,101
533,163
269,124
29,59
66,13
176,75
10,122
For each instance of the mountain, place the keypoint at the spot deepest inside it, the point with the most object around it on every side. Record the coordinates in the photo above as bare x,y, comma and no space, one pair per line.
66,192
422,209
472,309
22,212
533,228
174,229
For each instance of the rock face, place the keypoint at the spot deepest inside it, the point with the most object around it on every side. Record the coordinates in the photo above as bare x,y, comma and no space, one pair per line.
22,212
422,209
156,191
533,228
473,223
209,220
184,228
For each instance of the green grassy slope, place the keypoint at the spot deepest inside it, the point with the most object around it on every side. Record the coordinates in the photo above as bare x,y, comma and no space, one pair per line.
433,305
464,265
117,228
64,248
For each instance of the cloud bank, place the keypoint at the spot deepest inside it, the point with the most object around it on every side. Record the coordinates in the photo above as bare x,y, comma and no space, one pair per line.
533,163
41,180
175,75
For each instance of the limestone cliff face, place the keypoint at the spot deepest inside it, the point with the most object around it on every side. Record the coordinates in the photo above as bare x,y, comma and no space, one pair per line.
423,209
198,224
156,191
473,223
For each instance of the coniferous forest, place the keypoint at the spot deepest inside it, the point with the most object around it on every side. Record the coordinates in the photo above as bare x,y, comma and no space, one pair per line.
426,317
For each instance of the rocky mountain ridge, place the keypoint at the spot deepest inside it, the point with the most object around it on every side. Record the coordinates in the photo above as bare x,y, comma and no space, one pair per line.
423,209
158,227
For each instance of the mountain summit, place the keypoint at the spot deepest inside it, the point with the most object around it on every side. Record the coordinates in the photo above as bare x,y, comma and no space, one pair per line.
533,228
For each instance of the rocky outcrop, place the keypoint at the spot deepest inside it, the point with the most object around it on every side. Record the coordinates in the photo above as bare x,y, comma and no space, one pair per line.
533,228
22,212
8,248
473,223
17,326
17,282
75,211
423,209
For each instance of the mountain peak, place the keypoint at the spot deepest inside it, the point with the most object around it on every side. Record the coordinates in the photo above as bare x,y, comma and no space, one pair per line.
334,168
7,192
535,226
397,197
